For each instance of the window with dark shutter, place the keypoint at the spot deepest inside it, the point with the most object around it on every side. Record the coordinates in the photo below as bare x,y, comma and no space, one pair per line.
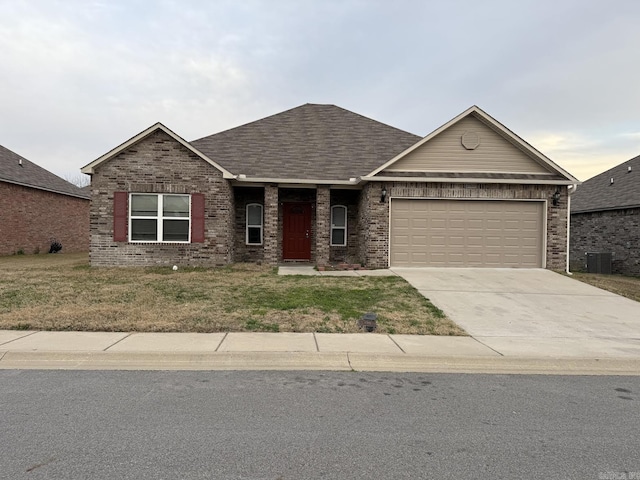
120,216
197,218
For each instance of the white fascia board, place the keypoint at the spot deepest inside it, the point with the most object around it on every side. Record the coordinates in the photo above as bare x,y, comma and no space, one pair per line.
89,169
294,181
522,143
468,180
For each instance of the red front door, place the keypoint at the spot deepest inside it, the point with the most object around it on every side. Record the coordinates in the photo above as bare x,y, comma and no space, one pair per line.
296,231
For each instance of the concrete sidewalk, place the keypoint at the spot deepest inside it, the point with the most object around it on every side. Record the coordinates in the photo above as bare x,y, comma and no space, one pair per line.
290,351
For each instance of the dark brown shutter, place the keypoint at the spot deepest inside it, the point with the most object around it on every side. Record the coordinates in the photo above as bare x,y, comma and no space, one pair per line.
197,218
120,216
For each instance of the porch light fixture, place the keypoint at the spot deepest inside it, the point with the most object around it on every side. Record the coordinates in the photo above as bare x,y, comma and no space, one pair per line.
556,197
383,194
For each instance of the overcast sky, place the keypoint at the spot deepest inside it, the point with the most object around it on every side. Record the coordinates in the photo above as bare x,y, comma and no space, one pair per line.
79,77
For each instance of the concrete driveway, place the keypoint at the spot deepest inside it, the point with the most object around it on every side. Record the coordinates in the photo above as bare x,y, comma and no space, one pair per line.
532,311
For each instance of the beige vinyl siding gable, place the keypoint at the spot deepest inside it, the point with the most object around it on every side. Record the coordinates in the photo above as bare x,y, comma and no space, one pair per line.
445,153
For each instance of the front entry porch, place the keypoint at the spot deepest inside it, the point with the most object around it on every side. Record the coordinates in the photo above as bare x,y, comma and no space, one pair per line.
297,224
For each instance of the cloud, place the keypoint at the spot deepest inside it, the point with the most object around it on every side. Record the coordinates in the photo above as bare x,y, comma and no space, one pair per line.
78,77
586,156
76,91
630,136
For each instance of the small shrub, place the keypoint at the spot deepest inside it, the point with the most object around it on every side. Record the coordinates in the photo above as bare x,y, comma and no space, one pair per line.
20,251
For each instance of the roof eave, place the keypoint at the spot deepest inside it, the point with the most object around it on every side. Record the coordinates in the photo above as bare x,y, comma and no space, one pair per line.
524,144
89,169
44,189
297,181
605,209
467,180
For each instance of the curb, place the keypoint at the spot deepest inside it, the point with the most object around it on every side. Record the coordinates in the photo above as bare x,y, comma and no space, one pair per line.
317,361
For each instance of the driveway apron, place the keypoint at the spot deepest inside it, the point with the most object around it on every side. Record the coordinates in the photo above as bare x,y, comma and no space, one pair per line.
532,311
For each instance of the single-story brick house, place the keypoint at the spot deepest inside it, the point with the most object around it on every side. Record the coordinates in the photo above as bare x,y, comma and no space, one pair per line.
605,218
321,184
37,206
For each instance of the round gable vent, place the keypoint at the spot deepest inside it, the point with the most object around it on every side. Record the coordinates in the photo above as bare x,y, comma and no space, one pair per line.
470,140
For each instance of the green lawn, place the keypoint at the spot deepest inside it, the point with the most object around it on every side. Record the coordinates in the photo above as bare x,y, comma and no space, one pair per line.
61,292
626,286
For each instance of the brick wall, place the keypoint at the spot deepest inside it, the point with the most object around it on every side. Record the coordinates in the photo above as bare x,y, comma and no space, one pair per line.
30,218
159,164
374,242
615,231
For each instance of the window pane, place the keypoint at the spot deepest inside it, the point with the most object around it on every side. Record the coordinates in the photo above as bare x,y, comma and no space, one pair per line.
175,206
175,230
254,215
254,234
145,230
144,205
339,216
337,236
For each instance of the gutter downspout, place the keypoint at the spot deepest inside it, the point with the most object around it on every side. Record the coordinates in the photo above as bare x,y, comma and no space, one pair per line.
571,190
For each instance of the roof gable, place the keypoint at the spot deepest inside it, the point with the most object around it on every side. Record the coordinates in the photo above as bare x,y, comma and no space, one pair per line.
20,171
310,142
473,143
599,193
90,168
485,152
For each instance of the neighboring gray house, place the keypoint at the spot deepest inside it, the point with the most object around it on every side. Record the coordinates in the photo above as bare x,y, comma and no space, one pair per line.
321,184
605,218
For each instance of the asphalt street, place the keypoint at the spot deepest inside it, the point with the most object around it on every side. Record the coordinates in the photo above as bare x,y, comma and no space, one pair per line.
308,425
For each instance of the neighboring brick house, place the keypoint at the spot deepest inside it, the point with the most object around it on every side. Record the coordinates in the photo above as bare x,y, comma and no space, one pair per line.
605,218
323,185
37,207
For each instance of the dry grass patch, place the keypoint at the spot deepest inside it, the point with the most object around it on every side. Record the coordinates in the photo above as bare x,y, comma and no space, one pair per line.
61,292
626,286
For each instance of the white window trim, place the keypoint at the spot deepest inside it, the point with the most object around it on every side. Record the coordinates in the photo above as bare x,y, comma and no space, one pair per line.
334,227
159,218
247,226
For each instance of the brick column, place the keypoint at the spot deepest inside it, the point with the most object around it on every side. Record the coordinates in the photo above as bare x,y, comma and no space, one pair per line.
557,225
375,223
271,245
323,224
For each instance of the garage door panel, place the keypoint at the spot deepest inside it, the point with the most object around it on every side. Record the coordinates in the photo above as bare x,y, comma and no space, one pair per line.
466,233
419,223
401,223
419,241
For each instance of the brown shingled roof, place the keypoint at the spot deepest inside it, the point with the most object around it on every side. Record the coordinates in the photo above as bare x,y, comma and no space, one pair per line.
310,142
598,193
19,170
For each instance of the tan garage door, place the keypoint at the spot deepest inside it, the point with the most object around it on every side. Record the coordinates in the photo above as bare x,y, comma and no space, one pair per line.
466,233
